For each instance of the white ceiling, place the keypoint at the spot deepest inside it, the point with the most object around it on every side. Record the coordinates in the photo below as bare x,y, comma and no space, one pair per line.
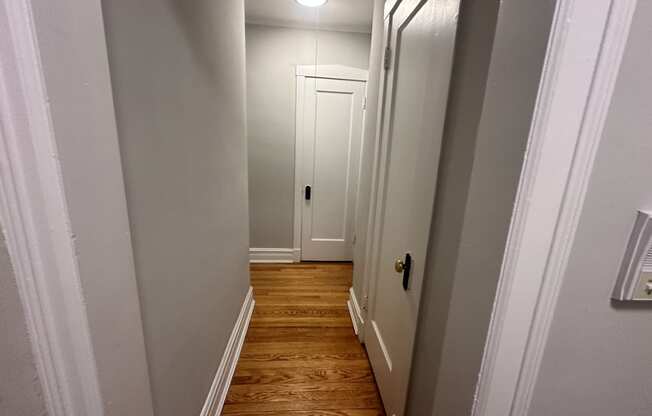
341,15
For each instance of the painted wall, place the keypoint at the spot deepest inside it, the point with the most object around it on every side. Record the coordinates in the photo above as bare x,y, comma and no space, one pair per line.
272,54
73,56
597,359
498,61
177,69
20,388
368,152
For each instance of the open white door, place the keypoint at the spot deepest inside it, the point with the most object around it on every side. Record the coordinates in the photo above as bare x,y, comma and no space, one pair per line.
330,113
420,43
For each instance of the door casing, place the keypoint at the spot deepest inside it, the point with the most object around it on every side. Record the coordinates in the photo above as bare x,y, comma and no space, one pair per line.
341,72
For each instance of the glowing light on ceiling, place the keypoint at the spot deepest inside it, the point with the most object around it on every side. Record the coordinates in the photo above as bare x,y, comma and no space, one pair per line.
312,3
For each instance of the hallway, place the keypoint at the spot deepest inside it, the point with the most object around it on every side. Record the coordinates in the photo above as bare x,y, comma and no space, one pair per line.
300,355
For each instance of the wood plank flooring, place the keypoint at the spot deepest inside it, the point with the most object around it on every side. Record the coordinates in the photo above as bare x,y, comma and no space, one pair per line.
300,356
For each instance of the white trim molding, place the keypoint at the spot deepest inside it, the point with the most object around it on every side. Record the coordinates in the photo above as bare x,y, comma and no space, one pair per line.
390,5
34,214
333,72
586,44
308,25
274,255
66,253
298,161
222,381
356,314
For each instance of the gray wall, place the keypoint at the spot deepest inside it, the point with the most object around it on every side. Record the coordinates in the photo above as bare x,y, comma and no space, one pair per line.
20,389
498,61
368,151
73,55
178,77
597,361
272,54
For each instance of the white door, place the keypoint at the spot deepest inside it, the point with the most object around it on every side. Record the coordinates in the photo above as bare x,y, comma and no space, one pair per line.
421,38
332,118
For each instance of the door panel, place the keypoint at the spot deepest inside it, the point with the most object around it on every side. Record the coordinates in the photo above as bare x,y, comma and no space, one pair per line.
421,35
331,163
333,116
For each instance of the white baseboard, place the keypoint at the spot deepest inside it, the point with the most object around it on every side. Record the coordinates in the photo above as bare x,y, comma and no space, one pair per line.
274,255
353,320
356,313
222,381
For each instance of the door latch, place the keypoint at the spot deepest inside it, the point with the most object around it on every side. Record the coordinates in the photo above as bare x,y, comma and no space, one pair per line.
404,266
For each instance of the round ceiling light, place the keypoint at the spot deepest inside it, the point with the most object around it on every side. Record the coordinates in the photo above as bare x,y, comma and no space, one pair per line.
312,3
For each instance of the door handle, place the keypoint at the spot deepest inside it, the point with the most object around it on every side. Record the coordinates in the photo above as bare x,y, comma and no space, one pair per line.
308,192
404,266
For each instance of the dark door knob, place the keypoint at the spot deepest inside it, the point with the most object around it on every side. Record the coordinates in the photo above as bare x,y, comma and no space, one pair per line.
403,266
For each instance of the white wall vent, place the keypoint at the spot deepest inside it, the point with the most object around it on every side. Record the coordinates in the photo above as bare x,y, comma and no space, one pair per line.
635,275
647,261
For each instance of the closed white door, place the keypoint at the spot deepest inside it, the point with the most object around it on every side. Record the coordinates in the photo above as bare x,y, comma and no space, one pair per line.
421,37
331,129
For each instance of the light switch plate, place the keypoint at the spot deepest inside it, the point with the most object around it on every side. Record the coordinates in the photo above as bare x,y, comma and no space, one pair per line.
635,275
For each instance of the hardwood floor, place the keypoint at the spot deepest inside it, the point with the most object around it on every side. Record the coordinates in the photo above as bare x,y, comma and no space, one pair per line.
301,356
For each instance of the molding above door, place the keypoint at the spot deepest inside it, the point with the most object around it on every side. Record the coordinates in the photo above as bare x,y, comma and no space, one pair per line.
586,44
332,71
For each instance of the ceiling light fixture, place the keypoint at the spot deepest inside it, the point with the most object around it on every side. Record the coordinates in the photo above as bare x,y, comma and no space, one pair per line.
312,3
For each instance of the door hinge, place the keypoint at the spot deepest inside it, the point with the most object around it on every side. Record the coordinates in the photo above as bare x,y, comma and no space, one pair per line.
388,58
365,300
364,102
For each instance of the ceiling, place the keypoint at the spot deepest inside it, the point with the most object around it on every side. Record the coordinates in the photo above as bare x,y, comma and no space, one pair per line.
340,15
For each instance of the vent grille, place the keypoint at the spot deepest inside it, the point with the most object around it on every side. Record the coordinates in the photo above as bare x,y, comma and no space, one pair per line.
636,266
647,261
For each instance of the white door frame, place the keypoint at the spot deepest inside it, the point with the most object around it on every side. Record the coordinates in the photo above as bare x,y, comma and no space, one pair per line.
34,211
368,284
302,72
582,61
